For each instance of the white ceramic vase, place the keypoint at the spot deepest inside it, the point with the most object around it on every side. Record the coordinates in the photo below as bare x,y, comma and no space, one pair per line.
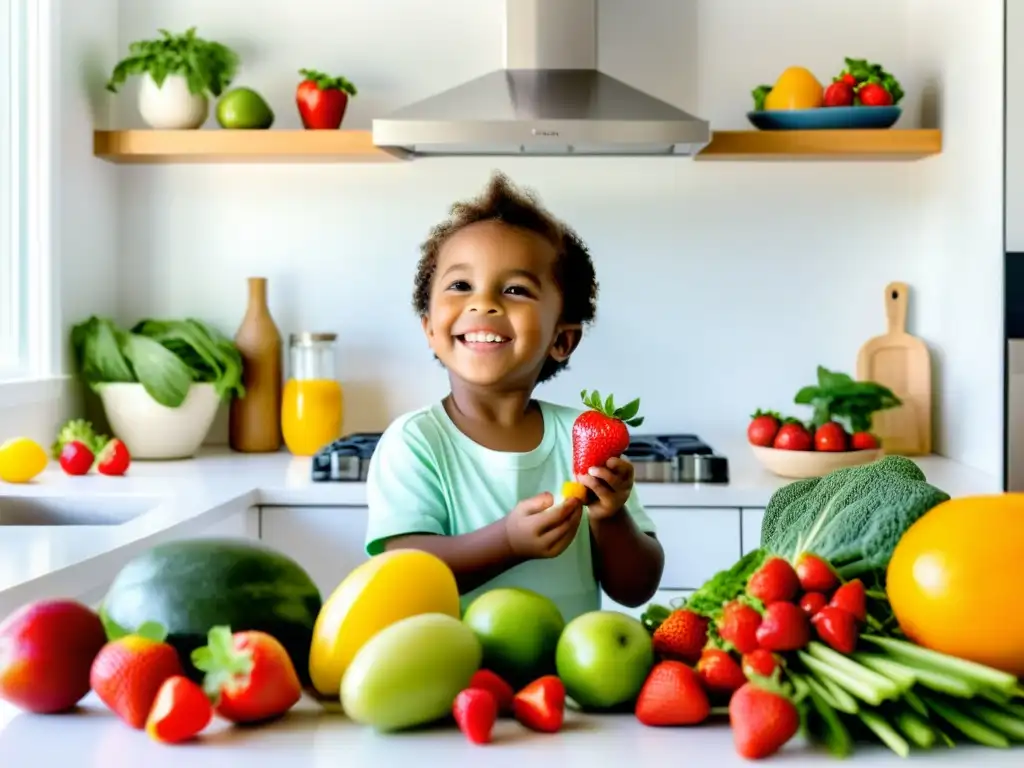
171,106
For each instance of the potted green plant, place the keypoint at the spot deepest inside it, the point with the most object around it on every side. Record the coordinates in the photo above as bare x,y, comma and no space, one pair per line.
178,72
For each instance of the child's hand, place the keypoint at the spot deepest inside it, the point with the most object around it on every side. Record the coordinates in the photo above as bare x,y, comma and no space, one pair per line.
611,484
536,529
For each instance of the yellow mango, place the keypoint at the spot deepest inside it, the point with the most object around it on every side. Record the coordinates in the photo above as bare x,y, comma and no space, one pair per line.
388,587
796,88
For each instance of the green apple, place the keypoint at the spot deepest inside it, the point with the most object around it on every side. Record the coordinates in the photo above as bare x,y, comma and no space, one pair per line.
518,629
603,658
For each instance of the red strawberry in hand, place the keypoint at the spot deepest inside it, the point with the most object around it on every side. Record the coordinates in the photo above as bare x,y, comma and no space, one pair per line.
600,433
322,100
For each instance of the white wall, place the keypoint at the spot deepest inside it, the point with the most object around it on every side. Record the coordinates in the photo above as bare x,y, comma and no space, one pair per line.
85,219
723,285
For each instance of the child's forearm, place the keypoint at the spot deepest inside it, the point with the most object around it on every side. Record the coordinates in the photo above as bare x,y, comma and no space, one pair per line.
630,562
475,558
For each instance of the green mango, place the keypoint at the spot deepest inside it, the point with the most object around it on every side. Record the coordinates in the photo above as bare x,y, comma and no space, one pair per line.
409,673
243,108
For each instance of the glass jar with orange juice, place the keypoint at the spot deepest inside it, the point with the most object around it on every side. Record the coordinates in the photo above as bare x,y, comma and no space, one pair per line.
312,406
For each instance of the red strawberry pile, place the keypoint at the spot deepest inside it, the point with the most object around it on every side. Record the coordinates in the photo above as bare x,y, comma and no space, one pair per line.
736,657
784,645
841,419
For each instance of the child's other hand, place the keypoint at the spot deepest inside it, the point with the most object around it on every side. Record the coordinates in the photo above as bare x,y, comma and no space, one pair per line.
536,529
611,484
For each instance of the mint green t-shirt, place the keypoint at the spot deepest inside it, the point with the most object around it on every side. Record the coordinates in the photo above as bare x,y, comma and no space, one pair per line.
426,476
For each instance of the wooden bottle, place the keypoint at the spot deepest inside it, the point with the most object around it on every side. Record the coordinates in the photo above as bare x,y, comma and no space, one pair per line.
255,420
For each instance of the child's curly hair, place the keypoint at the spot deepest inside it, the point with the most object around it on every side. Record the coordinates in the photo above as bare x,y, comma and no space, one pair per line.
501,201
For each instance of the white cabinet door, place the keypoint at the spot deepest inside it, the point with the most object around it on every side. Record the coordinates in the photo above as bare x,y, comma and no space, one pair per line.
751,522
326,541
661,597
698,542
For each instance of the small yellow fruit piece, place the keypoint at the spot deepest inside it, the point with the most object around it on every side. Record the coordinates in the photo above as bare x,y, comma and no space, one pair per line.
796,88
21,460
386,588
573,490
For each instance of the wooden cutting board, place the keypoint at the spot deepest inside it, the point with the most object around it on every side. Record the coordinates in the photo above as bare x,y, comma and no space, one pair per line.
902,363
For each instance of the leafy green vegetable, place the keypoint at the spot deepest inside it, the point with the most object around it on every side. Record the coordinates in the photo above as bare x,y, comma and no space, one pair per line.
852,517
209,67
725,585
165,356
760,93
81,431
839,397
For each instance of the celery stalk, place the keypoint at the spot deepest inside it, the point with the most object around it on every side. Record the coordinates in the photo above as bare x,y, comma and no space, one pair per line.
842,700
977,675
837,738
916,728
1002,721
967,725
937,681
837,660
858,687
885,732
898,673
914,702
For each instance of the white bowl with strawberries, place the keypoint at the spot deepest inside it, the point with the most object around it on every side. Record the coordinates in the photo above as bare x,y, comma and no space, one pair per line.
838,435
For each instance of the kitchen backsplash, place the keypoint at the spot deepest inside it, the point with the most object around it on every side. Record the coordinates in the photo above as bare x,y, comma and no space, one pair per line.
723,285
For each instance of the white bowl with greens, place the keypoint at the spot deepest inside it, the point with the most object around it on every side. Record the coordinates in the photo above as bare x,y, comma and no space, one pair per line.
161,382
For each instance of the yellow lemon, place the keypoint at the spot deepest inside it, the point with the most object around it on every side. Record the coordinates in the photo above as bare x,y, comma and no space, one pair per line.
21,459
796,88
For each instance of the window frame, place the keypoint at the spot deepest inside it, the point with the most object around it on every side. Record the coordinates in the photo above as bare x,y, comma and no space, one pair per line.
38,373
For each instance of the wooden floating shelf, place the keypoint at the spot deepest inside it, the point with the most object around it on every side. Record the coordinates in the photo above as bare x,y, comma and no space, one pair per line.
869,144
301,146
237,146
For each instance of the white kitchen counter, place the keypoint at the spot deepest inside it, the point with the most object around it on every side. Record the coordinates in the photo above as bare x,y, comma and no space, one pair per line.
188,496
308,736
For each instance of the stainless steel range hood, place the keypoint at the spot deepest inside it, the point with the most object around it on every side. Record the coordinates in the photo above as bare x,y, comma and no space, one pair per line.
550,99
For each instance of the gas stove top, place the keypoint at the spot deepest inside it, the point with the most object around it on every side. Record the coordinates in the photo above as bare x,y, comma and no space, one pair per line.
680,458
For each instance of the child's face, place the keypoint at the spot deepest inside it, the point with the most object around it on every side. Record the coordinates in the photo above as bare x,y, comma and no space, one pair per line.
497,282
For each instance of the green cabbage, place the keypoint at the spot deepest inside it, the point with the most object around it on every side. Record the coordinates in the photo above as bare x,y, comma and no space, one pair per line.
852,517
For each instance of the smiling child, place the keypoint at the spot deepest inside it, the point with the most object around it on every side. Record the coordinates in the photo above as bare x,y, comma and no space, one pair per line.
503,291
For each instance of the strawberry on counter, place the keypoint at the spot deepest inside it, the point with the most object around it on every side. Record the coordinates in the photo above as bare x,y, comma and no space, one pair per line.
249,675
128,672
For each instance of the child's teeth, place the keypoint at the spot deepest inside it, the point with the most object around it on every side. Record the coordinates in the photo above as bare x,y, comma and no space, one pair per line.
484,337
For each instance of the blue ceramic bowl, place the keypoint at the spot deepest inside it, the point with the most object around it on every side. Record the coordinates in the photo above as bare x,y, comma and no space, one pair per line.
824,118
